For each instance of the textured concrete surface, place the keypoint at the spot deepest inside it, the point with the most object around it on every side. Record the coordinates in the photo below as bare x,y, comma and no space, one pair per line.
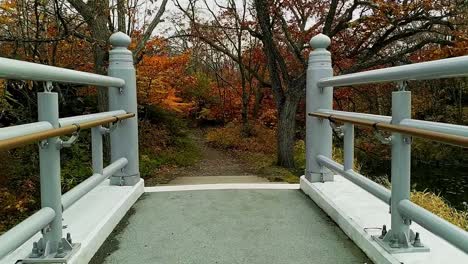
217,179
90,220
228,226
359,212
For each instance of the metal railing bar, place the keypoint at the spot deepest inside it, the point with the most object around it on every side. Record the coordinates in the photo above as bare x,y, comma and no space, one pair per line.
451,233
370,186
55,132
369,117
19,234
66,121
70,197
410,131
451,129
445,68
114,167
21,130
22,70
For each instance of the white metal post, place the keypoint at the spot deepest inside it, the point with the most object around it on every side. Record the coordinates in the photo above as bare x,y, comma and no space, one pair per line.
124,139
400,238
318,132
401,168
96,149
49,162
348,147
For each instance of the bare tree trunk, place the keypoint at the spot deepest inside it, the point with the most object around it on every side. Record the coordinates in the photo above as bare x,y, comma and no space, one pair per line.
246,129
121,15
101,34
286,103
257,102
286,132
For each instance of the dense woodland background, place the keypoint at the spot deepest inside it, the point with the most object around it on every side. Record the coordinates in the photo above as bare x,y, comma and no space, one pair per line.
235,68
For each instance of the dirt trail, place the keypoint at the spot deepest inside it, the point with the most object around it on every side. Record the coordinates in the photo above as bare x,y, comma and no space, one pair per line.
215,166
214,162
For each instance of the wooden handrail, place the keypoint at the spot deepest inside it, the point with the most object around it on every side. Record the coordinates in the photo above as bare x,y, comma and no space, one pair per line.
56,132
410,131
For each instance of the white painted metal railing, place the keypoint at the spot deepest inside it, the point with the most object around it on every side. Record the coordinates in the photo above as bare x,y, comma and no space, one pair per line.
123,130
319,124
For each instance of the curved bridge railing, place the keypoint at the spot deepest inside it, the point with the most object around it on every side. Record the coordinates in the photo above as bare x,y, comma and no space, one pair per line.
322,120
120,122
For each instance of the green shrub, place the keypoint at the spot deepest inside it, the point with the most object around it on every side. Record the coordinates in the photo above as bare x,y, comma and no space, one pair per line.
164,141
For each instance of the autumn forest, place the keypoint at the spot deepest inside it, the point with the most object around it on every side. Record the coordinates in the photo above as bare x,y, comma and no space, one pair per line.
232,73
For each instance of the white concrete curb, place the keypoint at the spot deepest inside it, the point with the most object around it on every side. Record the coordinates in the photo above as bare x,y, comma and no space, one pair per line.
348,225
358,213
90,220
223,186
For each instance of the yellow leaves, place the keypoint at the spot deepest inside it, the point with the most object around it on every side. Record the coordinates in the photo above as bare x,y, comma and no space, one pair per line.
175,103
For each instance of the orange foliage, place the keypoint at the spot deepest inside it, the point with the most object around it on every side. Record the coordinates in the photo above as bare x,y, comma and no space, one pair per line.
161,78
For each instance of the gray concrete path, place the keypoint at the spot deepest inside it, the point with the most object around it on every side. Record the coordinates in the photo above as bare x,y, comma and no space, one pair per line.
228,226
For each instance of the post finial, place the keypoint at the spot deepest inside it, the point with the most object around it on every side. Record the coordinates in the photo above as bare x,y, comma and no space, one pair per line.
320,41
120,40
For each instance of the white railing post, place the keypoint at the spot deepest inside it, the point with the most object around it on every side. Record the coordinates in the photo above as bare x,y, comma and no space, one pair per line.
50,180
348,147
318,132
124,139
400,238
52,245
401,169
96,149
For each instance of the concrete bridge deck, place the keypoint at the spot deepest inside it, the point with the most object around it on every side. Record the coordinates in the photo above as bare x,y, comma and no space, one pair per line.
228,226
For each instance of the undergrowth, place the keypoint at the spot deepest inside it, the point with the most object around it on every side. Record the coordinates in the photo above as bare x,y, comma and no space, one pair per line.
164,141
434,203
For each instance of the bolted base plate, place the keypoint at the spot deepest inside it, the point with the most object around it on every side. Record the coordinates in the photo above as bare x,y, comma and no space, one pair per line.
129,180
326,176
392,250
54,258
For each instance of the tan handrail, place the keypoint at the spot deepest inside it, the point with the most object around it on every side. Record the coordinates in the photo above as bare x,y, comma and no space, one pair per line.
410,131
55,132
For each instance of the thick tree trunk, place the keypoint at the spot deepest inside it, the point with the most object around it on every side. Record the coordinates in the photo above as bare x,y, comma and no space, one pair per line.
100,58
286,132
121,15
246,129
100,33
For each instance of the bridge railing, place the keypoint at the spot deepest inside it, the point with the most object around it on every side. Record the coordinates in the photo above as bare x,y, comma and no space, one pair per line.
322,120
120,122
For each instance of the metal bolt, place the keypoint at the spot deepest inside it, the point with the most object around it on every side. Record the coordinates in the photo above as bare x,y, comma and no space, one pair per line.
69,239
407,221
35,251
384,232
417,241
43,144
48,87
407,140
